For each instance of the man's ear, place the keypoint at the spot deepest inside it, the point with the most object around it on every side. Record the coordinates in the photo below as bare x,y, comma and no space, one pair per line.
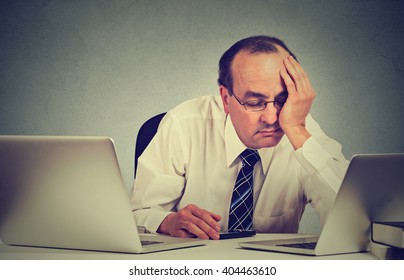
224,93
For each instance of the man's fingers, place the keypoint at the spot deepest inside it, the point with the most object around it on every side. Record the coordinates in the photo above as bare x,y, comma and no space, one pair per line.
206,217
196,230
298,76
193,221
186,228
290,85
206,221
215,216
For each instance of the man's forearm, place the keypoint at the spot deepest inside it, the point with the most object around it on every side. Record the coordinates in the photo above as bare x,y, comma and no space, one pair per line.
297,136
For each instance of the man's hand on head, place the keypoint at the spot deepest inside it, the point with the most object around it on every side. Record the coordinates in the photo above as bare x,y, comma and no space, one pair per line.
191,221
292,117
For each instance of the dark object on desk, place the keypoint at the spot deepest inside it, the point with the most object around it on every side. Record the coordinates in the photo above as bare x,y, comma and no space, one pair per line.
145,135
386,252
236,234
389,233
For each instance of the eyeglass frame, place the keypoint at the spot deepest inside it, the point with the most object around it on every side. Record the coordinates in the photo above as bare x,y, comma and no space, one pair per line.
275,102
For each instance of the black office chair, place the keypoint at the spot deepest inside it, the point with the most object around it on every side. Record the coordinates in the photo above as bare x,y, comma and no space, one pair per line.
145,135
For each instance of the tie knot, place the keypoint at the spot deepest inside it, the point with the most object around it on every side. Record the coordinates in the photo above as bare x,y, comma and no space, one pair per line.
250,157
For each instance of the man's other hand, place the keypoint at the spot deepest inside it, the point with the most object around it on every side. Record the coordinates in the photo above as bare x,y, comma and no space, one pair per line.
191,221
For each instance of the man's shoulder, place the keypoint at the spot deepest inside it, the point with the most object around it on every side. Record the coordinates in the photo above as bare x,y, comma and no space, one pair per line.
200,107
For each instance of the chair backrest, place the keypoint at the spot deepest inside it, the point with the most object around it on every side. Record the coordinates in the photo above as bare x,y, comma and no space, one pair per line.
145,135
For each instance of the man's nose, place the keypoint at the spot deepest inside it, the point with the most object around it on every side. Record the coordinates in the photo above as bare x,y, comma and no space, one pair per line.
270,114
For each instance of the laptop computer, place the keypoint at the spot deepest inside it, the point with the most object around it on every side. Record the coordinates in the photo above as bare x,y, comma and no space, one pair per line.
372,190
68,192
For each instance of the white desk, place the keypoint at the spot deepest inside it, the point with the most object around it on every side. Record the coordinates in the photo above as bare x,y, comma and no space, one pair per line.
214,250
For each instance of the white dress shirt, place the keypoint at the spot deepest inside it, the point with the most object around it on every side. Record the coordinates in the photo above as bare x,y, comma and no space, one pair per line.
194,159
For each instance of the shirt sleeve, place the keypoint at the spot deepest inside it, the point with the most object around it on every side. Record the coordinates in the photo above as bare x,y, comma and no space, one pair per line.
160,179
323,169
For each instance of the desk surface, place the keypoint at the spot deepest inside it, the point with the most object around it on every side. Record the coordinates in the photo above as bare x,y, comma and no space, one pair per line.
214,249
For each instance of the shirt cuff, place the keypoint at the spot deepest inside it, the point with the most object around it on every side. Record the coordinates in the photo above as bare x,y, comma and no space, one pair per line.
312,156
150,218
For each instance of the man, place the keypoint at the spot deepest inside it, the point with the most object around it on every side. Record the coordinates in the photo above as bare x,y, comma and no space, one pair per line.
186,176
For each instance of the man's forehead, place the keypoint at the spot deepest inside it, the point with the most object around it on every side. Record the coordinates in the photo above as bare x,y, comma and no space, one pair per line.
246,60
259,73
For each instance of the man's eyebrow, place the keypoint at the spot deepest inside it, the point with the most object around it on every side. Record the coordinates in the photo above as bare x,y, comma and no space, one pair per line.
253,94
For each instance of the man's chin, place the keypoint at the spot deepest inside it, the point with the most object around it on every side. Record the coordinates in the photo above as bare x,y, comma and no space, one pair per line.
268,141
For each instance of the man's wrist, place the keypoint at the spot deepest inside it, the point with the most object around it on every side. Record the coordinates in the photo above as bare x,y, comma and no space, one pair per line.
297,135
164,225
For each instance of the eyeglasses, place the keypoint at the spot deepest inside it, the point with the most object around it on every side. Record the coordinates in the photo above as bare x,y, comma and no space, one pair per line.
258,105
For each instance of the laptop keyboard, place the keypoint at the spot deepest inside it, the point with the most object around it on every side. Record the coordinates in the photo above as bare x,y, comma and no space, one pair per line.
148,242
306,245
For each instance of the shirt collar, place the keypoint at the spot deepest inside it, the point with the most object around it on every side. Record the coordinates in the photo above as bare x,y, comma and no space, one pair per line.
234,146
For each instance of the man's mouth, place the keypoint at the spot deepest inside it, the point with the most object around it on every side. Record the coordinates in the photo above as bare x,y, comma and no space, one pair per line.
269,132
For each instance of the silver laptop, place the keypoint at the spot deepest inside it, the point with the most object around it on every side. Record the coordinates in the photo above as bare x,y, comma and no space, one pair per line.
372,190
68,192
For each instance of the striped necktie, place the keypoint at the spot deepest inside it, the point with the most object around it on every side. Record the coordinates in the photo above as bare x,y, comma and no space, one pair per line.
241,207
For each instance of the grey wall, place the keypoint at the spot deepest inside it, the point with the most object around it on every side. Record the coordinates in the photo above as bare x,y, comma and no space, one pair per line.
104,67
